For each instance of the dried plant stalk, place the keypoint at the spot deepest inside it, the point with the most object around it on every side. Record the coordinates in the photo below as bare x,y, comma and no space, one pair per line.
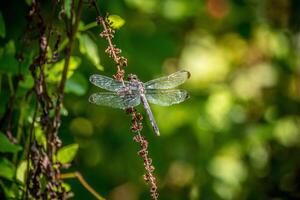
136,126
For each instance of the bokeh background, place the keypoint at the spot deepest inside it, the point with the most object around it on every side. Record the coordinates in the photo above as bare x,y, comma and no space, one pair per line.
237,137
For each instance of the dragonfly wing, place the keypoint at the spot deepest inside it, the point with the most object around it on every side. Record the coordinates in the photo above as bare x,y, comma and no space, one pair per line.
107,83
166,97
114,100
168,82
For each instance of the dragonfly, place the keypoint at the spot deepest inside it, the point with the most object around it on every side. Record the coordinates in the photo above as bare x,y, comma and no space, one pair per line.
131,93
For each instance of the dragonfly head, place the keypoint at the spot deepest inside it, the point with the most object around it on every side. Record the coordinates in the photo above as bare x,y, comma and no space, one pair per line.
132,77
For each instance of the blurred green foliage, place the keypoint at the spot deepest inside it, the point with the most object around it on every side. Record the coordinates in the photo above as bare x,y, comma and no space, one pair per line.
237,137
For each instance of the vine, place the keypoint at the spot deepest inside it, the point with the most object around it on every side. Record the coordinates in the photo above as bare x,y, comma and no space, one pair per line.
43,177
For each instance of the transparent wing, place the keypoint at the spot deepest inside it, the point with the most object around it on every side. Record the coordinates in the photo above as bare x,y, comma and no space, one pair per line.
114,100
106,83
166,97
168,82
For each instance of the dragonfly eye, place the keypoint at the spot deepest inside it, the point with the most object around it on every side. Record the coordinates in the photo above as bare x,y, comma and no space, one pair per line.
132,77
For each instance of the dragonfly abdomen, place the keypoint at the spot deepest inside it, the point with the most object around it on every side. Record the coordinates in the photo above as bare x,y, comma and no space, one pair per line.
149,112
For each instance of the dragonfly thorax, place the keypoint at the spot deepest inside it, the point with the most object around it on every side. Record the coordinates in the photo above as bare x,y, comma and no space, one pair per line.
137,85
134,87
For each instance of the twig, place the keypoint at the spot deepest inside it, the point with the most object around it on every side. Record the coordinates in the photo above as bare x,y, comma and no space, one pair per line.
136,127
19,129
28,150
93,3
112,50
42,163
83,182
69,50
6,119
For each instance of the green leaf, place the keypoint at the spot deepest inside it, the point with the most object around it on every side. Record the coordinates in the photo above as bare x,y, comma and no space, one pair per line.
116,21
26,62
28,82
64,111
66,186
83,27
68,5
56,70
63,45
10,48
21,170
2,26
8,63
88,47
67,153
7,169
77,84
9,192
40,137
6,146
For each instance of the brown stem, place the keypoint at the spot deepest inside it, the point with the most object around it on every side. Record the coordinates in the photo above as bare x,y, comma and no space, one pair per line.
83,182
6,119
69,50
28,150
109,39
93,2
136,127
